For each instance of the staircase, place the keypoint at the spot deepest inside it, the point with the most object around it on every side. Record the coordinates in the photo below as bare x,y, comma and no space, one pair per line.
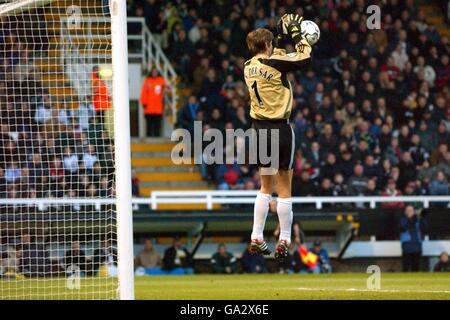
435,17
156,171
72,50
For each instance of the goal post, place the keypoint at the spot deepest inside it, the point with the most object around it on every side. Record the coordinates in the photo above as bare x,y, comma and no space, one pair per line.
122,148
65,170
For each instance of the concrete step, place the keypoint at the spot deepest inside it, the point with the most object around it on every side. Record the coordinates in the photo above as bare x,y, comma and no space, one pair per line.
152,141
171,169
45,65
142,155
80,40
66,105
146,191
55,78
151,162
138,155
174,184
156,162
88,53
56,15
101,28
186,207
160,147
63,92
170,176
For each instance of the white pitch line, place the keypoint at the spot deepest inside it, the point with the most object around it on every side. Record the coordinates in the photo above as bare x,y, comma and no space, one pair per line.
376,290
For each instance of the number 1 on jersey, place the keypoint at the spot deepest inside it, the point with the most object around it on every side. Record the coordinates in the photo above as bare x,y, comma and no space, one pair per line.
255,88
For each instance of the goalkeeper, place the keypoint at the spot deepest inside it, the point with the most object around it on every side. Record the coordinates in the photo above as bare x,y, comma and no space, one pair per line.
271,105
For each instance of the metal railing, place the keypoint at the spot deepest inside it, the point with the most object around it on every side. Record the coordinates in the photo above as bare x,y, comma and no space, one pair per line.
144,49
211,198
78,57
149,53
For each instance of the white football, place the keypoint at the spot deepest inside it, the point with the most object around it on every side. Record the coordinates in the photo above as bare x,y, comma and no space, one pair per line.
311,31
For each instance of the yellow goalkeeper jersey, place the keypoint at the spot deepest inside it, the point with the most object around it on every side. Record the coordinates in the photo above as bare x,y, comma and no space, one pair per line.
266,79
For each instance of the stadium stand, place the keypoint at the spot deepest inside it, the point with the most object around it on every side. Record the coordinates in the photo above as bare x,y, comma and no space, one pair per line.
375,100
61,153
371,117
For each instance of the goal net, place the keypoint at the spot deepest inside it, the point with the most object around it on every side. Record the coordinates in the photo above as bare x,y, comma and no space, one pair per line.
58,223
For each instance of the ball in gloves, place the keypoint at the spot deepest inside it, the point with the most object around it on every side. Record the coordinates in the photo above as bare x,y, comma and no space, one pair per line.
310,31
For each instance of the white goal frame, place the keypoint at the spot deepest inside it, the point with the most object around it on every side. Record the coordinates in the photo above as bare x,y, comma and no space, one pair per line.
122,159
122,149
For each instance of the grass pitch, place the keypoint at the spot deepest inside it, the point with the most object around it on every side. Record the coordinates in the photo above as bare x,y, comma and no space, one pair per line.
348,286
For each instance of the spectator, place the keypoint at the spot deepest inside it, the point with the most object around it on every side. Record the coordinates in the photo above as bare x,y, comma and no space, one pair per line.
303,187
444,263
90,157
12,173
152,100
75,261
440,187
252,263
425,71
357,184
56,171
371,169
33,258
44,111
392,191
70,161
100,95
135,184
84,113
177,257
223,261
412,231
324,265
105,259
188,114
9,263
339,188
229,176
408,171
148,257
371,189
326,189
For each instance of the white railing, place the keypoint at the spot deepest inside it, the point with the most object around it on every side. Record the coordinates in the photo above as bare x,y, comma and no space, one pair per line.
78,58
210,198
78,66
150,53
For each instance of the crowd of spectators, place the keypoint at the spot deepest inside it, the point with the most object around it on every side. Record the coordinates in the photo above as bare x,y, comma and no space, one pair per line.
47,148
29,257
371,116
176,260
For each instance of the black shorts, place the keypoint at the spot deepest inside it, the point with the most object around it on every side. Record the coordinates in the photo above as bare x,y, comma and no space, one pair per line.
269,141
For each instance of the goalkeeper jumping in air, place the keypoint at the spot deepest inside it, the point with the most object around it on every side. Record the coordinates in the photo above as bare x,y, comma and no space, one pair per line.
271,105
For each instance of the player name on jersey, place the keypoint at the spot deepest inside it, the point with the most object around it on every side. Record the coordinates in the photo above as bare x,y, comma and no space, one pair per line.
254,71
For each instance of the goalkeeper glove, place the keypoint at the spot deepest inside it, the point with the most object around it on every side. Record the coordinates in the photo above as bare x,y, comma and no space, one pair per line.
289,24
